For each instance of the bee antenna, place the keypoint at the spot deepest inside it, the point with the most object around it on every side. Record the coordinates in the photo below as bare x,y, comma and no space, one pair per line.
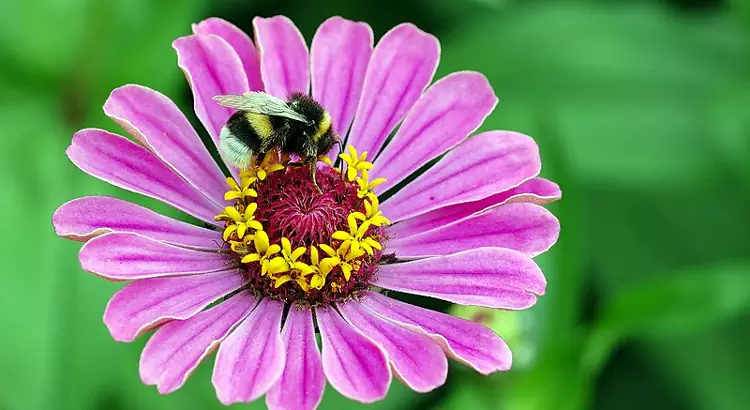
341,146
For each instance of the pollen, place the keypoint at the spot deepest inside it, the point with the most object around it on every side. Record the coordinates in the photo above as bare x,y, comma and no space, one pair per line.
297,243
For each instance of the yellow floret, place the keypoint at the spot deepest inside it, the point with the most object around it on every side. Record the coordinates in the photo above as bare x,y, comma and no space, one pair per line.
372,214
242,222
263,251
269,164
366,186
355,163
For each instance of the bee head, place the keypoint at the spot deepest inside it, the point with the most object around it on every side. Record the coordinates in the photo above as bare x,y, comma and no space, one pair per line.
320,127
326,141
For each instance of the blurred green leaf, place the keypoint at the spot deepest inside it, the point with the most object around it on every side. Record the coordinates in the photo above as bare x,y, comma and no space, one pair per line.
556,381
399,397
39,38
626,83
470,391
730,130
143,56
31,281
683,303
709,368
691,301
634,235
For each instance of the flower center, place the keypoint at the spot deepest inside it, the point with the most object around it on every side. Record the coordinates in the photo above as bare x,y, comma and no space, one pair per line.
290,205
296,241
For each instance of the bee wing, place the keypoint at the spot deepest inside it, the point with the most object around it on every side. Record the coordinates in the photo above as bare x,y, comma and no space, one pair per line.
259,103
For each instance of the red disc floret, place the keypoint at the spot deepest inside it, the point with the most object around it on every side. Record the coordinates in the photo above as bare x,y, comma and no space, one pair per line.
289,205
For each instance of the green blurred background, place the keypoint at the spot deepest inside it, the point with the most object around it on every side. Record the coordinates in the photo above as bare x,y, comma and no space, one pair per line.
642,111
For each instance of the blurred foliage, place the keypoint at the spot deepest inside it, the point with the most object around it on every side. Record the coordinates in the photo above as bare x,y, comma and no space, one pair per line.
641,112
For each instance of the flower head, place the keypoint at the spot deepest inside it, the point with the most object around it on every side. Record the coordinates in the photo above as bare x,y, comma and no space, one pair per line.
279,257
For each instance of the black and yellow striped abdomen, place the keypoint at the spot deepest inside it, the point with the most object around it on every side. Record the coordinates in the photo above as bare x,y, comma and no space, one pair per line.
252,129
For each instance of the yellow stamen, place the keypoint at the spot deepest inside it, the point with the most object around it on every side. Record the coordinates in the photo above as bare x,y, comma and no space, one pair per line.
321,267
372,214
241,247
263,251
297,271
317,281
270,163
366,186
288,260
324,159
242,221
240,191
354,240
341,257
355,163
281,280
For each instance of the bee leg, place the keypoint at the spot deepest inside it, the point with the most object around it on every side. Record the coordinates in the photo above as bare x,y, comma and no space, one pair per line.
313,169
313,164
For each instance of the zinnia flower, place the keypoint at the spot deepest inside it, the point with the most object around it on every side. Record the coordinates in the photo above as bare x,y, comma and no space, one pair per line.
276,260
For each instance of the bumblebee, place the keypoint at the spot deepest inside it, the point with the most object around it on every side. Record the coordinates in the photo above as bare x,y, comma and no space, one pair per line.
263,123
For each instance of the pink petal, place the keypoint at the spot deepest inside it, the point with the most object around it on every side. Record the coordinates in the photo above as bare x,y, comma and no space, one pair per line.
302,384
401,66
284,59
416,359
212,68
489,277
481,166
450,110
353,364
84,218
465,341
527,228
156,122
240,43
340,52
145,304
129,256
252,358
178,347
537,191
125,164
